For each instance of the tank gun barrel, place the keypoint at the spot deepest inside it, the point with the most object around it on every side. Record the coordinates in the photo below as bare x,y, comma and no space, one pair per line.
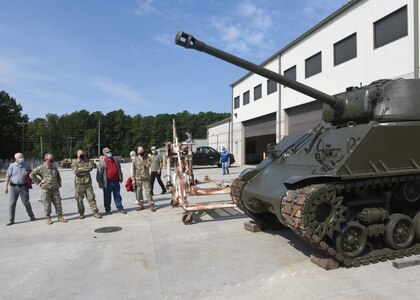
188,41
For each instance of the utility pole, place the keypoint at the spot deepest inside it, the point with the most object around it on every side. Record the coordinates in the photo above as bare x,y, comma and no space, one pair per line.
71,141
23,133
40,140
99,138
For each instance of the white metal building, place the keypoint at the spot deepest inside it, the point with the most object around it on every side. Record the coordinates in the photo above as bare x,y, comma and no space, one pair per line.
218,134
363,41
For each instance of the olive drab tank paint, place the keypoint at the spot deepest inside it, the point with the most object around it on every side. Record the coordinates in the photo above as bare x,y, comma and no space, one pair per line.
349,187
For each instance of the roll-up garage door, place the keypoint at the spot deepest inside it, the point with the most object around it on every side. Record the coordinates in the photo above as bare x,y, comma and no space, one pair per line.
261,126
304,117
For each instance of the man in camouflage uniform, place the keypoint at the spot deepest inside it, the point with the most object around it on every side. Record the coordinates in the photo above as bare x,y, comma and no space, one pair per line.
48,178
141,179
83,184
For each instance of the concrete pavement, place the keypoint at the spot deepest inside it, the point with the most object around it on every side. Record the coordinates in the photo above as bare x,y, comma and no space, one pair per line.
156,256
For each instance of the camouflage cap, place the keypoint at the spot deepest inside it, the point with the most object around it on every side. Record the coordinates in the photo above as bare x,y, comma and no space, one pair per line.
106,150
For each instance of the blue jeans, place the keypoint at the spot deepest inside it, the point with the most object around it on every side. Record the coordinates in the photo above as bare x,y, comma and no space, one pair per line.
112,186
225,167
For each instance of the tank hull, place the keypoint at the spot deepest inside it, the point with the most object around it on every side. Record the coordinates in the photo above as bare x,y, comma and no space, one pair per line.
322,183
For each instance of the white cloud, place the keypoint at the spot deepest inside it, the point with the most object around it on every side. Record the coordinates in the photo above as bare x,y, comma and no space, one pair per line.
165,39
146,7
119,93
319,9
260,17
247,28
15,70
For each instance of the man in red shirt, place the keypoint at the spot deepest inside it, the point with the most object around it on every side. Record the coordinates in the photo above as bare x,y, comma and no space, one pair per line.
109,177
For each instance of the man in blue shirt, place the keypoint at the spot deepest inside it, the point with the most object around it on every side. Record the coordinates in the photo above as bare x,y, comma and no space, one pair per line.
225,161
17,176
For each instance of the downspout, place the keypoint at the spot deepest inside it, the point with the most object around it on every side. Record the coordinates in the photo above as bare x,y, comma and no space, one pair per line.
230,136
416,38
279,111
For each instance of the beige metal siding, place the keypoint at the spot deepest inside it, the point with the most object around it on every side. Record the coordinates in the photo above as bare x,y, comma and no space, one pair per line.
304,117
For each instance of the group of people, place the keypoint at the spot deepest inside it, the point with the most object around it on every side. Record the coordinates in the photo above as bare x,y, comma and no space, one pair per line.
144,171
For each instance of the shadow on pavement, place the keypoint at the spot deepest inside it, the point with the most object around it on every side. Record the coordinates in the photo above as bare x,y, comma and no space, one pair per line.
217,215
292,239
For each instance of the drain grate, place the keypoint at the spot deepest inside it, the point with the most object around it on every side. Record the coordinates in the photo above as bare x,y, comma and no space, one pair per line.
108,229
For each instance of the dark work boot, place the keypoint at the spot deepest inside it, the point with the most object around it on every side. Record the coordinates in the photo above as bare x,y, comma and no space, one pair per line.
10,223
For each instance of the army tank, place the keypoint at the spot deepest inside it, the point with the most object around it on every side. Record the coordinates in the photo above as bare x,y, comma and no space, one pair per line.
350,186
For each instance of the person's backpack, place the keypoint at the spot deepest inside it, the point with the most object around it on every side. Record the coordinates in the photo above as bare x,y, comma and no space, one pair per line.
232,159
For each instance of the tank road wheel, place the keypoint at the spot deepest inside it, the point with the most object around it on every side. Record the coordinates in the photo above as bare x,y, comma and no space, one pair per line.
351,241
323,212
399,232
187,218
416,224
411,191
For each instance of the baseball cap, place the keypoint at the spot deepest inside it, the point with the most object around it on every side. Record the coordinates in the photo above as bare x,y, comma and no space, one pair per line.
106,150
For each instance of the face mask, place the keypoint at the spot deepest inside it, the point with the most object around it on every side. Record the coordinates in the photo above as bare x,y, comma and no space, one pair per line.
50,160
81,156
21,160
141,154
109,154
153,151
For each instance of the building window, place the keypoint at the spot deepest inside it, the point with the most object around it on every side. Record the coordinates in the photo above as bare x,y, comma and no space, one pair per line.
245,99
257,92
290,73
271,86
313,65
345,49
236,102
391,27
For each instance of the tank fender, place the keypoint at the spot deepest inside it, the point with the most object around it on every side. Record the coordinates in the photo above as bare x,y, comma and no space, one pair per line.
292,180
249,173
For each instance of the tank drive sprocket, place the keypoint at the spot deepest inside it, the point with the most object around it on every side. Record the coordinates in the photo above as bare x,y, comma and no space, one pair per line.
315,211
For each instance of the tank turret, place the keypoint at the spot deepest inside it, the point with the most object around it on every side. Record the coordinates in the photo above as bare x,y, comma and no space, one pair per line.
379,101
351,187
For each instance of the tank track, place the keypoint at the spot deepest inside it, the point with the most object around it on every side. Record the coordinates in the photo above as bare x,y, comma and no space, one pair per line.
236,190
293,214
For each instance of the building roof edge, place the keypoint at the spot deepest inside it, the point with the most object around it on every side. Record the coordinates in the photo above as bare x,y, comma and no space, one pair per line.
219,122
303,36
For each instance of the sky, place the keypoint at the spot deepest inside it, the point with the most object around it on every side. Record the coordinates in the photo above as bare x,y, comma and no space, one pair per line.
65,56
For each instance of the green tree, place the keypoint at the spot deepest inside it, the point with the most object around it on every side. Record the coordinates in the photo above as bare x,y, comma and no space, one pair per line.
63,135
116,129
37,130
10,133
